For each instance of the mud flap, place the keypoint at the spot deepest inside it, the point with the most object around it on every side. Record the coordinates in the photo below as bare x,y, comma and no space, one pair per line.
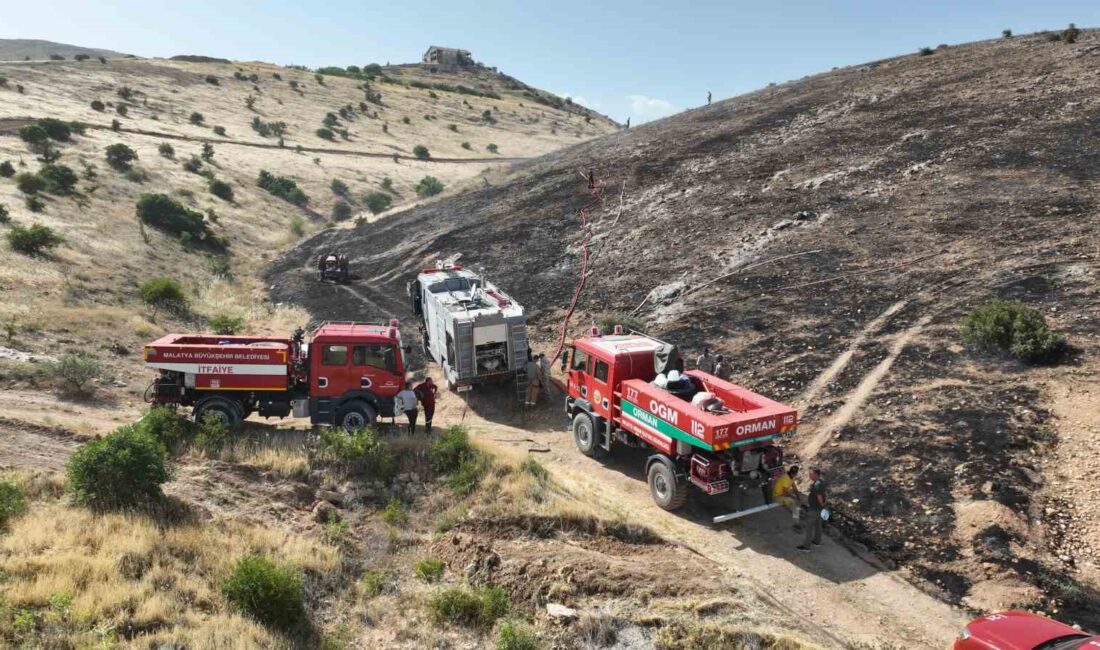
742,513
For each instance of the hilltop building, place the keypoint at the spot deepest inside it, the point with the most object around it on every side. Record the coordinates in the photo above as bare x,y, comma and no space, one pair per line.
447,56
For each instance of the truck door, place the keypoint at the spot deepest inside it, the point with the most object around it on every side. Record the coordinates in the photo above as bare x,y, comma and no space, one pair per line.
375,367
331,374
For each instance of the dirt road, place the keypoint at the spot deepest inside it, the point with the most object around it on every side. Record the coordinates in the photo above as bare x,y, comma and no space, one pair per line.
848,597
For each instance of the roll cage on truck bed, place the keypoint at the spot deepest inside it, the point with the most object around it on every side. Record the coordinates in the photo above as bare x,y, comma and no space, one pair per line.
612,399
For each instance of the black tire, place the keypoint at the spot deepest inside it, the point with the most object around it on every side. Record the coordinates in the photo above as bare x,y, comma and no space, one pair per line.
225,409
356,416
667,491
584,435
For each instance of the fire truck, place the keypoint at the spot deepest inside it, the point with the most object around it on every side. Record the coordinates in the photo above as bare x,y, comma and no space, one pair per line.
703,432
345,374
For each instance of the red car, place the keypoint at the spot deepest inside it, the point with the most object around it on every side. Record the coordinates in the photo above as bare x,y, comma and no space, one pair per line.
1023,631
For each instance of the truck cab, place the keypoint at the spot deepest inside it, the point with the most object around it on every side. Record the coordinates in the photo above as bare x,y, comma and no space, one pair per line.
355,371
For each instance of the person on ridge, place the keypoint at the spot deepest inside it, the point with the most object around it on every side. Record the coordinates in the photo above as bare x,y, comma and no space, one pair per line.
426,393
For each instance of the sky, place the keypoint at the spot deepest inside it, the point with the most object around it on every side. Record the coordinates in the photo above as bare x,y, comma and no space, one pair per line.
640,60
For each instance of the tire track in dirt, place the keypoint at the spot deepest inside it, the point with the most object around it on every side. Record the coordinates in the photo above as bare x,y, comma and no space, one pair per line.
31,446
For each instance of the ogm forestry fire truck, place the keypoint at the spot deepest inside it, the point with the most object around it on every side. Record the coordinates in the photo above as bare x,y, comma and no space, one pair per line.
346,374
704,431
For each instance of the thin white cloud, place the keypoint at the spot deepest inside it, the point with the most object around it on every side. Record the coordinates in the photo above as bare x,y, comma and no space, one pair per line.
644,109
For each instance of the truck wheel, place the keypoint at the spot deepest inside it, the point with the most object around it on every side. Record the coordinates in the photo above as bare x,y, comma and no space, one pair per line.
584,434
668,492
356,416
224,410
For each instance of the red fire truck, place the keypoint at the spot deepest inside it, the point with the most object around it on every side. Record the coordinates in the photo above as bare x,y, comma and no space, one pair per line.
706,432
346,374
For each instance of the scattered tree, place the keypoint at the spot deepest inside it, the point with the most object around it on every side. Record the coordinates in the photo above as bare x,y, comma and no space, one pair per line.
926,51
116,125
282,187
377,202
466,145
34,134
81,57
219,130
270,593
34,203
341,211
122,110
250,101
226,325
98,105
193,164
167,150
196,118
123,470
421,152
211,79
120,156
7,170
428,186
221,189
58,179
34,239
1014,328
325,133
492,148
339,187
1006,33
56,57
207,151
29,183
1071,34
74,375
162,293
387,184
169,215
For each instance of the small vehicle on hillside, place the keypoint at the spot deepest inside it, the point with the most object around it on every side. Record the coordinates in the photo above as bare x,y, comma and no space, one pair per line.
1014,630
345,374
470,327
334,267
705,432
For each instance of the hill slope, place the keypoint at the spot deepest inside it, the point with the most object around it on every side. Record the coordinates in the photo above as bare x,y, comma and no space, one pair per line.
18,49
83,297
829,234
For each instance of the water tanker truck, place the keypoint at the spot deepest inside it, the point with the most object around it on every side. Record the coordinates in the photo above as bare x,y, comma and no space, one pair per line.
345,374
704,433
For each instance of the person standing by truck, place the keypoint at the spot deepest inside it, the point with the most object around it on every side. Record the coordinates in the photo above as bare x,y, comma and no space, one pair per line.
534,381
705,362
426,393
814,506
785,493
544,373
406,403
722,368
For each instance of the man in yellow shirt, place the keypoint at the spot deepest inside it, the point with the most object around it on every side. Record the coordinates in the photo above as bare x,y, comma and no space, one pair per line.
785,493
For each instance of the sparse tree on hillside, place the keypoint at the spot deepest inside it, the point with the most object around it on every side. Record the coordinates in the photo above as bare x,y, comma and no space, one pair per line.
339,187
122,110
211,79
421,152
98,105
120,156
428,186
341,211
196,118
33,240
1006,33
125,92
492,148
926,51
207,151
166,150
7,170
250,101
1071,34
377,202
219,130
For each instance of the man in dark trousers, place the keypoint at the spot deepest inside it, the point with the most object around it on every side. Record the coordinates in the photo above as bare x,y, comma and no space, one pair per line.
426,392
814,505
405,402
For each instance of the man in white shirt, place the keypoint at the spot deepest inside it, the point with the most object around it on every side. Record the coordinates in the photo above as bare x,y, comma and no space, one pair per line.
405,402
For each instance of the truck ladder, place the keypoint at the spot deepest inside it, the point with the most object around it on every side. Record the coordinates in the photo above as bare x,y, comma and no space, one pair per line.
465,364
517,332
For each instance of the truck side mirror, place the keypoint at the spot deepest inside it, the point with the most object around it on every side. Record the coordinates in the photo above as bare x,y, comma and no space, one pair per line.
564,360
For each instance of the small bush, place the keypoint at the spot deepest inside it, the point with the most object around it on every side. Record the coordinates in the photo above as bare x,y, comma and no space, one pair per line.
339,187
120,156
29,183
34,204
211,79
471,608
450,450
56,57
607,322
13,501
81,57
282,187
406,120
33,134
361,453
325,133
428,186
193,164
7,170
421,152
221,189
1014,328
377,202
196,118
213,435
116,125
297,226
375,583
169,215
162,293
387,184
341,211
1071,34
173,430
207,152
75,374
395,514
122,110
467,146
125,92
429,569
226,325
1007,33
123,470
492,148
219,130
58,179
535,469
34,239
268,592
927,51
56,129
514,635
5,217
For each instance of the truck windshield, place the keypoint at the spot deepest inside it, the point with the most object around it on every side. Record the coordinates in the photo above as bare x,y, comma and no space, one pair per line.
580,361
375,355
455,284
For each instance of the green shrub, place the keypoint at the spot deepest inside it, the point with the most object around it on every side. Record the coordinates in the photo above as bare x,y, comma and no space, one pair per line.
125,92
467,146
268,592
607,322
1007,33
81,57
116,125
58,179
29,183
75,374
207,151
169,427
211,79
492,148
341,211
193,164
395,514
469,474
56,57
377,202
535,469
325,133
13,501
33,134
429,569
514,635
428,186
297,226
450,450
7,170
34,239
123,470
282,187
5,216
213,434
1014,328
196,118
221,189
219,130
387,184
226,325
56,129
169,215
162,293
471,608
376,582
330,120
339,187
34,204
166,150
120,156
360,453
421,152
927,51
1071,34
